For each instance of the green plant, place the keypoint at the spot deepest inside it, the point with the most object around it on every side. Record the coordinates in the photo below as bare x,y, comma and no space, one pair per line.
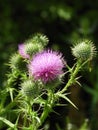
33,81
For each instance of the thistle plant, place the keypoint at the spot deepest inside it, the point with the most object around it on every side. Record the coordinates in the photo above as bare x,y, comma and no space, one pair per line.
34,79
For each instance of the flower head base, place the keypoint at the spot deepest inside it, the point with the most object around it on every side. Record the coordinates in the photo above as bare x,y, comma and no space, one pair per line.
84,50
46,66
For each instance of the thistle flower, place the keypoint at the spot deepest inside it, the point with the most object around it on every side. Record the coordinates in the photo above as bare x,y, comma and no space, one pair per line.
84,50
46,66
22,52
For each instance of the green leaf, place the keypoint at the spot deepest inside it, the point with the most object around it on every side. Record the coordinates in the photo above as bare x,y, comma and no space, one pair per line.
67,99
38,119
7,122
84,125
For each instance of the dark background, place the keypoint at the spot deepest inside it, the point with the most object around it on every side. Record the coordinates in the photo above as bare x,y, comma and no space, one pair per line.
64,22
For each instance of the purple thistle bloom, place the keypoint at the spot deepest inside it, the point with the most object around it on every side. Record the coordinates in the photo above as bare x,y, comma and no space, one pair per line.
46,66
21,49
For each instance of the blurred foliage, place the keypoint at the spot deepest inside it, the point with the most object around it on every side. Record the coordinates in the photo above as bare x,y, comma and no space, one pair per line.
92,88
64,22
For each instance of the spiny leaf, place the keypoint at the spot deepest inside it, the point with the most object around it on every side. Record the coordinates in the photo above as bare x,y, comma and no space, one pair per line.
66,98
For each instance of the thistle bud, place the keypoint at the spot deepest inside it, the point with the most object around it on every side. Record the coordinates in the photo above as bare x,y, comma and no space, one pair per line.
40,39
16,62
84,50
30,89
31,48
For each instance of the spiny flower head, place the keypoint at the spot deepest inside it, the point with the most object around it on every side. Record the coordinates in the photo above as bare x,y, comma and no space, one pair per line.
40,39
16,62
34,44
84,50
32,49
46,66
29,89
29,49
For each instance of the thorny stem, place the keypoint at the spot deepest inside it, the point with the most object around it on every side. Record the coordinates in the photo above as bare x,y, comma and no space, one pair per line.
72,76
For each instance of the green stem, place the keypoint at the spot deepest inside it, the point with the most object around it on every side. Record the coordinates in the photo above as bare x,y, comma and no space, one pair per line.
48,106
32,114
72,76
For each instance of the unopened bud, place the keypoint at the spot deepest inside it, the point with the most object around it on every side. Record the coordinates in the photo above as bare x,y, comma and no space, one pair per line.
17,62
29,89
41,39
84,50
31,48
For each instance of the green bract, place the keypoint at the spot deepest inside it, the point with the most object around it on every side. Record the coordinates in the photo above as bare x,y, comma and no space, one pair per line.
29,89
40,39
16,62
32,48
35,44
